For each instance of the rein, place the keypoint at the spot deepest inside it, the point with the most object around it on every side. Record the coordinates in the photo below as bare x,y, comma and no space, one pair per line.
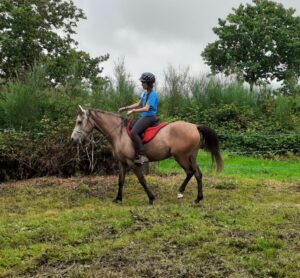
112,131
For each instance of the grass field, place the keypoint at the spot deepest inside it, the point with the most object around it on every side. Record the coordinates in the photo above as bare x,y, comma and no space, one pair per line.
247,226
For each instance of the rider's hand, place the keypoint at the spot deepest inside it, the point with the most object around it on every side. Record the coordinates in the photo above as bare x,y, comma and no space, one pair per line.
123,109
130,111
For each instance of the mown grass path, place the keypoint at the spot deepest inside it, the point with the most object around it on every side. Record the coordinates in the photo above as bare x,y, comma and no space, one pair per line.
247,226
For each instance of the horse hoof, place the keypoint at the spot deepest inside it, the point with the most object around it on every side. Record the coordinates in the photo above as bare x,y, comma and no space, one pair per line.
197,201
179,196
151,202
117,201
195,205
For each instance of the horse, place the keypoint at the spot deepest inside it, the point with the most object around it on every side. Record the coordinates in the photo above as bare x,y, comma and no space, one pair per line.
181,140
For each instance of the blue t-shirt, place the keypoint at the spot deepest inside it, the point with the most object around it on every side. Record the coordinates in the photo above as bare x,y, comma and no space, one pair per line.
152,102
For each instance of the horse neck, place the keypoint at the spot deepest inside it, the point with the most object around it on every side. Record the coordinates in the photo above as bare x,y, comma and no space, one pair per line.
108,124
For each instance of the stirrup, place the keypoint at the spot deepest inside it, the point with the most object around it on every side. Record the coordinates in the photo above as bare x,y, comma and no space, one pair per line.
141,159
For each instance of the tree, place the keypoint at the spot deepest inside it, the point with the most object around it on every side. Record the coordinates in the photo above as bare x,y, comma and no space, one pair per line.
31,30
258,43
74,66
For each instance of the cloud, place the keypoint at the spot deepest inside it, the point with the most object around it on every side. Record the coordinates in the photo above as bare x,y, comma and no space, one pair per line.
153,34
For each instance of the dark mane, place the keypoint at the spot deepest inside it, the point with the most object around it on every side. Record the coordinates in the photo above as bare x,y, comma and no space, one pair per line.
124,120
106,112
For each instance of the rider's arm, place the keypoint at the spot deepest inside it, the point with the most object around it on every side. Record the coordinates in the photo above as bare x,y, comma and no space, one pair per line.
135,105
132,106
143,109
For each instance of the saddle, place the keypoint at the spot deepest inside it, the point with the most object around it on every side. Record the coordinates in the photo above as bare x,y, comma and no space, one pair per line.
149,133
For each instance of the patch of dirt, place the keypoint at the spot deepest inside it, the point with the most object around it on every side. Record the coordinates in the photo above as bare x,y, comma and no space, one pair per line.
237,233
139,263
67,182
225,186
281,184
295,187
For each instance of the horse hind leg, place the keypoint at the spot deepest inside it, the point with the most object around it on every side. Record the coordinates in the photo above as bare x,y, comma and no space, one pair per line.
198,176
185,164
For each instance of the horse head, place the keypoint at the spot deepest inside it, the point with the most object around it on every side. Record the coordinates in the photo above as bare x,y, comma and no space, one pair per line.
83,126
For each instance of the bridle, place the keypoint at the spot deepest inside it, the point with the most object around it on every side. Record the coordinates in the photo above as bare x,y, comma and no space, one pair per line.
90,137
111,131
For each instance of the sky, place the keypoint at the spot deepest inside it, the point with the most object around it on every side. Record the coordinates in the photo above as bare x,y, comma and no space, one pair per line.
151,35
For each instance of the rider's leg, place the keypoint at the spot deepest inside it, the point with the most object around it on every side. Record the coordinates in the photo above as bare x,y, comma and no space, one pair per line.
136,132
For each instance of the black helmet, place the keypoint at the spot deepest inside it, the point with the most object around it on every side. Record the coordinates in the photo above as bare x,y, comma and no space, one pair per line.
147,77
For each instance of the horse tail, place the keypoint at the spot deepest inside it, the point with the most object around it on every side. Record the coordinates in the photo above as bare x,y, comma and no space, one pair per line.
210,143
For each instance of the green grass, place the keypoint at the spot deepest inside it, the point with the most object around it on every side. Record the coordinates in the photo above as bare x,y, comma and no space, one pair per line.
247,226
243,167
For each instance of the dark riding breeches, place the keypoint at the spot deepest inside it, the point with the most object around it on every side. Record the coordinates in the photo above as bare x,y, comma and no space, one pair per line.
138,129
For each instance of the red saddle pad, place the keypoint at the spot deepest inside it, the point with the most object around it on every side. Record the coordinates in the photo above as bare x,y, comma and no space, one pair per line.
149,133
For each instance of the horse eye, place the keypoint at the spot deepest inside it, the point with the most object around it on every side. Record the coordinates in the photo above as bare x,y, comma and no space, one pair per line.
79,122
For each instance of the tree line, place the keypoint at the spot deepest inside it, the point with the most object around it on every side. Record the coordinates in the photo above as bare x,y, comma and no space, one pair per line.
257,42
44,76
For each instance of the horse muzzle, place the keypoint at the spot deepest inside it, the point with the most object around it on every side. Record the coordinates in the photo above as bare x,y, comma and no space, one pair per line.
76,138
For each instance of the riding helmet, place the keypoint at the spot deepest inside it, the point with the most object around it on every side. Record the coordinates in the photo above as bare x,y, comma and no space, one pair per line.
147,77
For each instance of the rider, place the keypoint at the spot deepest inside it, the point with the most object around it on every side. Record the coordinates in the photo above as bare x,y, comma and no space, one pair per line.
147,107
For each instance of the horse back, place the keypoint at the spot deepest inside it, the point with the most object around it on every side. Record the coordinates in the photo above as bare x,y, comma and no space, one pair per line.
184,133
176,137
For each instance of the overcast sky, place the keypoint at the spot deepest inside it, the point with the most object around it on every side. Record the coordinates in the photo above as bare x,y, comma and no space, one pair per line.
153,34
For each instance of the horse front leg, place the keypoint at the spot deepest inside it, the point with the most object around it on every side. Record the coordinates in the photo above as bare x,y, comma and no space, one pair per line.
139,174
122,174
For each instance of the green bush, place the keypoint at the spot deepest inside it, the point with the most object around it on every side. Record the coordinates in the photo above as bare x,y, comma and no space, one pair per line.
22,102
27,154
243,130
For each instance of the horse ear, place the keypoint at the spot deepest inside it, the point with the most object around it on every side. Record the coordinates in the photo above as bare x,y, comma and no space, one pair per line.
80,109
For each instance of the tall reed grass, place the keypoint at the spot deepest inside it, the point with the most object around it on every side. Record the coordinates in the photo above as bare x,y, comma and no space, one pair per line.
27,100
